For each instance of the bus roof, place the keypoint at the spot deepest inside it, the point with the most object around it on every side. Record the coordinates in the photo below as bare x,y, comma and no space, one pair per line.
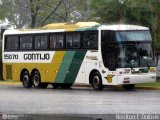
118,27
71,26
79,26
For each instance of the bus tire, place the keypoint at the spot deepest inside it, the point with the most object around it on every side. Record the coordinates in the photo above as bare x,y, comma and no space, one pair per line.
26,81
129,87
36,80
96,81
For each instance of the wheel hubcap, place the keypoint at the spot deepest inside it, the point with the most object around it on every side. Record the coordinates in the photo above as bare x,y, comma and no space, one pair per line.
26,79
96,81
36,80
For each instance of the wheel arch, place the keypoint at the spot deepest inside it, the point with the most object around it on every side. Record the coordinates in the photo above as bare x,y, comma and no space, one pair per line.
34,71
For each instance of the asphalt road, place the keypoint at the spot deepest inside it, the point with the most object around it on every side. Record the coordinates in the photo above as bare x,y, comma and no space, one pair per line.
15,99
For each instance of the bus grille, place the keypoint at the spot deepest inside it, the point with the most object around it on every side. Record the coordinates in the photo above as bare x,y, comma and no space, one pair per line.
8,71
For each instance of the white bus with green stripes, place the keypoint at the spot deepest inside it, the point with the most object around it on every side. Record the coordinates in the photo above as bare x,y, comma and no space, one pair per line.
63,54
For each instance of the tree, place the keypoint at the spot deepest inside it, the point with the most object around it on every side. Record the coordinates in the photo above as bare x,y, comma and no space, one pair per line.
155,7
141,12
68,10
35,13
15,11
109,11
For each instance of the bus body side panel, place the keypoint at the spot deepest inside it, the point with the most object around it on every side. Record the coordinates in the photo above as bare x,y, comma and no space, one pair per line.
63,70
81,76
63,67
70,67
75,66
92,61
48,70
54,67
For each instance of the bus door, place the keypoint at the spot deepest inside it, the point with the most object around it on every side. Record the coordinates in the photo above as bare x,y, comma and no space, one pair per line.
112,58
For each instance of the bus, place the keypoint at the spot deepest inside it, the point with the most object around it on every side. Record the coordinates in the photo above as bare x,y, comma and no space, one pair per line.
63,54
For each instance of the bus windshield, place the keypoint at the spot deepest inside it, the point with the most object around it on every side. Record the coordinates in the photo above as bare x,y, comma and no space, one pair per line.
133,36
136,55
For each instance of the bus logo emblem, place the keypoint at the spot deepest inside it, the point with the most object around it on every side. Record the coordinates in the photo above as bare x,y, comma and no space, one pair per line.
109,78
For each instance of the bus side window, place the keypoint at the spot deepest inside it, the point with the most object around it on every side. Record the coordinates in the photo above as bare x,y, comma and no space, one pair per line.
73,40
69,40
112,58
11,43
41,42
26,42
108,36
56,41
90,40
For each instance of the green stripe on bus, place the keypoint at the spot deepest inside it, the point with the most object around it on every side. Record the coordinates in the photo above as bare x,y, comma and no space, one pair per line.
64,66
75,66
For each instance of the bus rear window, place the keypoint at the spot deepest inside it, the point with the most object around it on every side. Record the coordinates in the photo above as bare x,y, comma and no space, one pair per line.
11,43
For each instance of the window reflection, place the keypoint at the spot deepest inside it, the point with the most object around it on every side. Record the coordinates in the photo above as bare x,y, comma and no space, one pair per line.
135,55
133,36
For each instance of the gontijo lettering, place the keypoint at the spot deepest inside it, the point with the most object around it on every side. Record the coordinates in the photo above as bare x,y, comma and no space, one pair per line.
37,56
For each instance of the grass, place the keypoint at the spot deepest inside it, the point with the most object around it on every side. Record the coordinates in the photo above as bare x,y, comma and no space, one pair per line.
155,84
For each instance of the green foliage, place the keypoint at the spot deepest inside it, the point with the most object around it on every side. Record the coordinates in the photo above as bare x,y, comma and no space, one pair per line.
155,84
0,61
68,10
108,10
15,11
141,12
35,13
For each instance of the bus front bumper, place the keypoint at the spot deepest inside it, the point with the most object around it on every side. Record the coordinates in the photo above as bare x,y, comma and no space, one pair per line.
134,79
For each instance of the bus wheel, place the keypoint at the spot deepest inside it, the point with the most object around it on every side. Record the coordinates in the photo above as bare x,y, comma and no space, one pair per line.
36,79
26,81
97,81
129,87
